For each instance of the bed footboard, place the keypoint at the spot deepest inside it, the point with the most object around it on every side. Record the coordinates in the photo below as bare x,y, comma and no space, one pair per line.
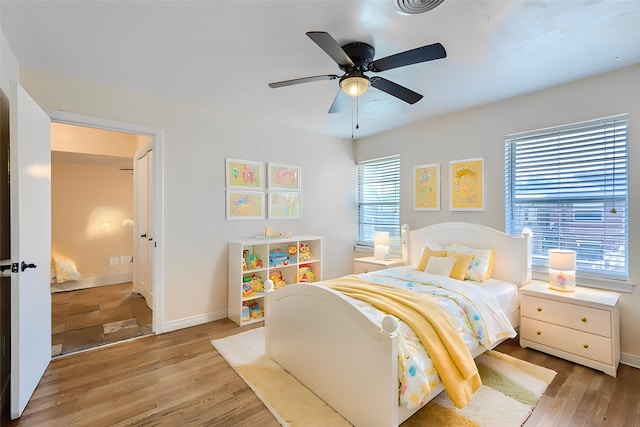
339,354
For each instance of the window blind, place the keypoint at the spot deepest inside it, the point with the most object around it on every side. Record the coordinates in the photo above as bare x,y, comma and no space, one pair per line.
569,186
379,201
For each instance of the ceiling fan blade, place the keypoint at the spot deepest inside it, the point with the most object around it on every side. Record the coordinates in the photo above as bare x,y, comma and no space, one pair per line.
303,80
331,47
394,89
409,57
339,102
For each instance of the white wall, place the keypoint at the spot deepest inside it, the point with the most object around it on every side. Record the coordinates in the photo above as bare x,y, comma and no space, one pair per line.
195,146
480,132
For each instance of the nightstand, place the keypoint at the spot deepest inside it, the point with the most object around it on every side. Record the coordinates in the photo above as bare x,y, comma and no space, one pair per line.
369,263
581,326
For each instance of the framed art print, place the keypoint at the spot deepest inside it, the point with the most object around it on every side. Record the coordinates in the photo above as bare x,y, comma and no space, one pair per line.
467,185
245,204
284,177
284,205
426,187
244,174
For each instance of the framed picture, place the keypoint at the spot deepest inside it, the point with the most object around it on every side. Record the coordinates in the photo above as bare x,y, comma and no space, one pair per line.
244,174
467,185
284,205
426,187
284,177
245,204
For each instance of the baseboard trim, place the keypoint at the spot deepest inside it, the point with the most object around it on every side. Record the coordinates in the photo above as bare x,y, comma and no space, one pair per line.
175,325
93,282
630,359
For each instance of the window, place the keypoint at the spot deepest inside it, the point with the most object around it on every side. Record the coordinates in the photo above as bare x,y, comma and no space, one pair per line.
569,186
379,201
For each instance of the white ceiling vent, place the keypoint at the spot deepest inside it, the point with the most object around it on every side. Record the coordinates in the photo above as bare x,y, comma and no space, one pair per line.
416,6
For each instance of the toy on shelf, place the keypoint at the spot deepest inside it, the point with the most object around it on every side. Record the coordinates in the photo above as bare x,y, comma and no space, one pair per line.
276,278
293,251
254,310
305,253
256,283
278,258
305,275
247,289
253,262
245,311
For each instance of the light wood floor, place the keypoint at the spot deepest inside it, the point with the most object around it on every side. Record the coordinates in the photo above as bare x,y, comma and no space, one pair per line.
179,379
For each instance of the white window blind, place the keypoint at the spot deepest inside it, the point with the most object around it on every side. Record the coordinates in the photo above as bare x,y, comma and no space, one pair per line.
569,186
379,201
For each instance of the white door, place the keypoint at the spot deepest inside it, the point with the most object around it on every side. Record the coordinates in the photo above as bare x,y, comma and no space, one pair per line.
30,192
143,270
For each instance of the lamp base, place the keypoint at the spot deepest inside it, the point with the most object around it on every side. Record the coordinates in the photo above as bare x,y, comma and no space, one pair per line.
564,281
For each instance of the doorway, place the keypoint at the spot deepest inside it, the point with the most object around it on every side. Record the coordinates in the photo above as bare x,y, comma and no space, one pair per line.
154,143
92,241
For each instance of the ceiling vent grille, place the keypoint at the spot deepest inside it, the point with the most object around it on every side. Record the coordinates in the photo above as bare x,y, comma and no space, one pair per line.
416,6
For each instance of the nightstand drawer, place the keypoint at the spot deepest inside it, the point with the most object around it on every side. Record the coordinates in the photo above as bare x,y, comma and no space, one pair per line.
582,344
587,319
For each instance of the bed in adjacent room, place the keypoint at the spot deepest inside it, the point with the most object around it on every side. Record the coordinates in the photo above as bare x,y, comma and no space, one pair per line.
362,344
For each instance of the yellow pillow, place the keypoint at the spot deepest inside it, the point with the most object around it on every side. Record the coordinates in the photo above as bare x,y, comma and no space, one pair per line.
461,266
426,254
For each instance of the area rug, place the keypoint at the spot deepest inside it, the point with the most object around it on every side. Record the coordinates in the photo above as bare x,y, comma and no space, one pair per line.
510,390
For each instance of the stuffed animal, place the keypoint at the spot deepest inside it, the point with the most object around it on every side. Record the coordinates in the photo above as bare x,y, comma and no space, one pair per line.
276,278
305,253
305,275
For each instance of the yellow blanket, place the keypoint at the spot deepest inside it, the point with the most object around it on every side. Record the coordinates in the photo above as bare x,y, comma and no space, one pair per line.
431,323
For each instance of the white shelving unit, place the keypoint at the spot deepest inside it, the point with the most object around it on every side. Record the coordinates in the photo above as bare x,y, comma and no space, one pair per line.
261,248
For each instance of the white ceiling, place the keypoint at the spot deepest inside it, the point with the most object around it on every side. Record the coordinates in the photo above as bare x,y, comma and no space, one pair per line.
221,55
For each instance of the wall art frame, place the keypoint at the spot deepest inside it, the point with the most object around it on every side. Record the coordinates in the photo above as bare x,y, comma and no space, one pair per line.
426,187
467,179
285,205
245,205
244,174
284,177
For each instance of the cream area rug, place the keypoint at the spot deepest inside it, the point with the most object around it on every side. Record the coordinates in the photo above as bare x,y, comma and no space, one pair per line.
510,390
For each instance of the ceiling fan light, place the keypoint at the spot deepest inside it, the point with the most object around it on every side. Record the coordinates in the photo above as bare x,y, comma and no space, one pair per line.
354,85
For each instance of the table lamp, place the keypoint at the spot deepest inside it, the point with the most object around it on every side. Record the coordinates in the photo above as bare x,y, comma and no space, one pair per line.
562,270
381,245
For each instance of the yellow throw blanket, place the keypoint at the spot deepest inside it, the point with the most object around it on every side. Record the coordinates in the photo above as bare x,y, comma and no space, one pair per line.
431,323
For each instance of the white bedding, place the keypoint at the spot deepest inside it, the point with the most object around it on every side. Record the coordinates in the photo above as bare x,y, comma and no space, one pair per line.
477,310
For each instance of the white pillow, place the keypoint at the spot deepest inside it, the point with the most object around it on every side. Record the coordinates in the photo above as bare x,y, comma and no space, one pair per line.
441,266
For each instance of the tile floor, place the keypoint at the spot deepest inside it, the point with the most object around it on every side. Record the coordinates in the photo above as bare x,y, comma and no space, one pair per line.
88,318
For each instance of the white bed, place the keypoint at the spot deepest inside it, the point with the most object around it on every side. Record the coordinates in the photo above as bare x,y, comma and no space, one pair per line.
316,334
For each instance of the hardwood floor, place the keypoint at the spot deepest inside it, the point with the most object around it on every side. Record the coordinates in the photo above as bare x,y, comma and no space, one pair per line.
179,379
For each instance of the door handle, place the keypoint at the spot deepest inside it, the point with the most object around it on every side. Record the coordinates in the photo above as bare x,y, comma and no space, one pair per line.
24,266
143,235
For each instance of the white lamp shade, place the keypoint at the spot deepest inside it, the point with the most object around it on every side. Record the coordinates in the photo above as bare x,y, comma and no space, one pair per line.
562,259
381,238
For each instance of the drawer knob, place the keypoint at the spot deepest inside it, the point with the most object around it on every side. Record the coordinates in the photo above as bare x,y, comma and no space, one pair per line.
366,270
539,332
585,345
583,320
539,309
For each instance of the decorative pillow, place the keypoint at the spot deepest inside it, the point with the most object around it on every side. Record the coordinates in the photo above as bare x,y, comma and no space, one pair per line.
461,266
426,254
481,262
441,266
66,270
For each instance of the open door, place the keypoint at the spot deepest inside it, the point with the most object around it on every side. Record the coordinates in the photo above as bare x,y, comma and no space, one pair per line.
30,195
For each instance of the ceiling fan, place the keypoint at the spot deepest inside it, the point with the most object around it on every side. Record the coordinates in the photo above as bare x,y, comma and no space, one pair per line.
356,58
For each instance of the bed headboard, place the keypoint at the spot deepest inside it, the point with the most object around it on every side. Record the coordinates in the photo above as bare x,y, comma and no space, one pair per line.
512,260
